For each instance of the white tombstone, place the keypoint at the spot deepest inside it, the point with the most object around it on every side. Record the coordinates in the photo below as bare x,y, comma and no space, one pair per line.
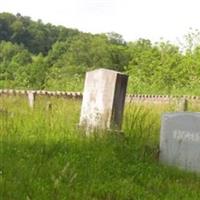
103,100
180,140
31,98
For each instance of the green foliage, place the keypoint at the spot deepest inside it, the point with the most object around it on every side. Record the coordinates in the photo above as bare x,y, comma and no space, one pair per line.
68,78
43,56
94,52
161,68
37,72
115,38
35,36
13,58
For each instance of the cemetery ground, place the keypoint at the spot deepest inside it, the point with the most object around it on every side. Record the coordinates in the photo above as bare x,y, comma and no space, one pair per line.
44,155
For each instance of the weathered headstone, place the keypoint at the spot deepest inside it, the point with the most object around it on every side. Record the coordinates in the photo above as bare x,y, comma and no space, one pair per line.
182,105
103,100
31,98
180,140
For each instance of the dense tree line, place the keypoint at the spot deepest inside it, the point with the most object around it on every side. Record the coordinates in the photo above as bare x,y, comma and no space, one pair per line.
34,36
37,55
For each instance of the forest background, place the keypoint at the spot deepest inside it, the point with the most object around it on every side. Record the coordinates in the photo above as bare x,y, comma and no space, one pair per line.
34,55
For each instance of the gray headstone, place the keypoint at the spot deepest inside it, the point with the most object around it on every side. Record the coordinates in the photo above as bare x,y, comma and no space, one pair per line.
103,100
180,140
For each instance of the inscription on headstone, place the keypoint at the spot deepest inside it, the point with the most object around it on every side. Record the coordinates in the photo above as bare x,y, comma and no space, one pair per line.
103,99
180,140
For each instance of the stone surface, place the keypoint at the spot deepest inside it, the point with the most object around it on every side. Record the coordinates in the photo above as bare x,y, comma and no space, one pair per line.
31,98
182,105
180,140
103,99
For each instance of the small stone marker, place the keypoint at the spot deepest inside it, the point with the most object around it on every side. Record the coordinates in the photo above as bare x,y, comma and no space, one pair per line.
31,98
180,140
182,105
103,100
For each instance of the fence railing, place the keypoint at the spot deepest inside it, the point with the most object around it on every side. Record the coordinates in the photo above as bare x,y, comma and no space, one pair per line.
79,95
8,92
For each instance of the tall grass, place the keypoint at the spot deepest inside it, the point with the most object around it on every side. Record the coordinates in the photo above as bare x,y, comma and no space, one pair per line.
43,155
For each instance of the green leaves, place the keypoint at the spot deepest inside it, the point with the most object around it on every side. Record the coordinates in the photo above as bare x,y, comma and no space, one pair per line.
37,55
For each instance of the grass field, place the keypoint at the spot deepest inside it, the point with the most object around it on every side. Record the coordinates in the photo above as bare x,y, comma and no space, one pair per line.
44,156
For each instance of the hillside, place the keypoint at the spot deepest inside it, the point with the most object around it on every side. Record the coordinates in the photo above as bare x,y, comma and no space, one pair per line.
43,56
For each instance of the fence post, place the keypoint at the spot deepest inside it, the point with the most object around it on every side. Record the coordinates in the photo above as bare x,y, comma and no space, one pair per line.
31,98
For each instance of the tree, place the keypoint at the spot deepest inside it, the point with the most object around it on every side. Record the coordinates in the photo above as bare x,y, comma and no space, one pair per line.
37,72
115,38
37,37
12,57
